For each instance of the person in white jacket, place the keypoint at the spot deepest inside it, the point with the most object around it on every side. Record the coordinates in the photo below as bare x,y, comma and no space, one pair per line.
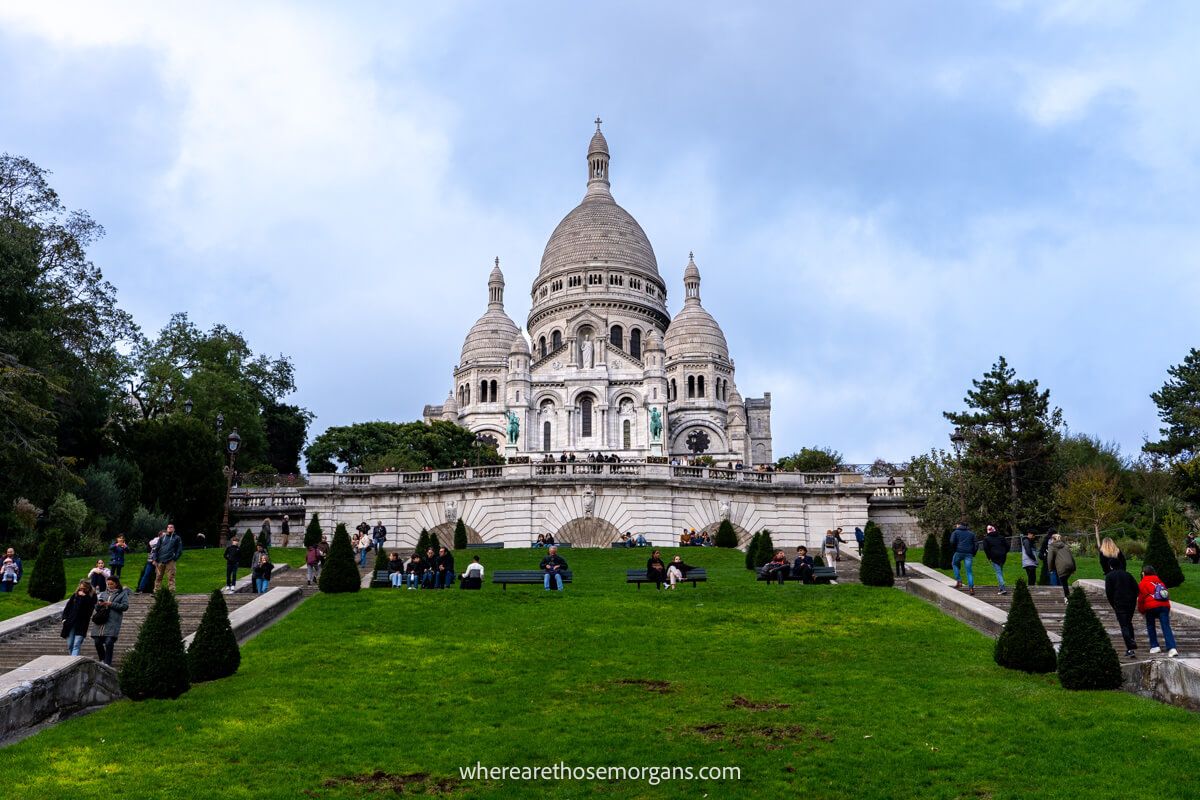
472,578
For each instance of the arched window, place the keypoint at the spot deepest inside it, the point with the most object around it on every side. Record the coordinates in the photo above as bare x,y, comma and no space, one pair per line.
542,346
555,340
493,391
691,385
483,391
673,393
616,335
546,435
468,388
700,386
585,417
635,343
627,435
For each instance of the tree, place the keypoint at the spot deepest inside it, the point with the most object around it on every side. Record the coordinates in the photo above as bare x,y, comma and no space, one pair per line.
1010,433
157,666
812,459
752,551
1178,404
1161,556
1090,499
340,573
214,652
876,567
434,543
67,514
263,539
946,550
1086,659
246,549
102,496
726,535
406,447
460,535
286,428
312,533
932,555
49,579
766,549
423,542
1024,644
146,525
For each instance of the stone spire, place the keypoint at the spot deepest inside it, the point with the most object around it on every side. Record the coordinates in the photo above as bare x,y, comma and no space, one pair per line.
691,282
597,159
496,287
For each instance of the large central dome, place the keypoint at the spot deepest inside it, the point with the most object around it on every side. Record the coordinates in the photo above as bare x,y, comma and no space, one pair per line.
598,231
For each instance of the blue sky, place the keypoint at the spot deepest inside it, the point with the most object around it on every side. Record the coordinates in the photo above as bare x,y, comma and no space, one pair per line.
882,197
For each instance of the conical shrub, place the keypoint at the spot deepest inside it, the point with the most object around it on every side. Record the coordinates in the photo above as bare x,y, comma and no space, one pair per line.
1158,555
246,550
157,666
876,567
726,535
460,535
434,543
945,550
49,579
1024,643
932,555
423,542
312,533
766,549
1086,659
340,573
214,652
381,562
264,540
752,550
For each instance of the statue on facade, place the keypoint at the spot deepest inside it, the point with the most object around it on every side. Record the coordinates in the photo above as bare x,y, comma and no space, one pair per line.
585,354
589,501
451,511
656,425
514,427
723,507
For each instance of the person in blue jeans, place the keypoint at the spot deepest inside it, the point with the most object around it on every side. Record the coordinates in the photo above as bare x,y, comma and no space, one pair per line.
995,547
553,567
77,616
964,545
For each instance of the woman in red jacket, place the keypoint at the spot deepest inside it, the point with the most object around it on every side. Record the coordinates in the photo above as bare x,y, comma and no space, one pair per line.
1153,602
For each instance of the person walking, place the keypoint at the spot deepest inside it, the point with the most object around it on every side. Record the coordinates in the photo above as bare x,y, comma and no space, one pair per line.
1061,563
900,553
111,605
379,535
965,546
312,564
285,530
1111,556
262,572
170,548
146,581
1154,602
1122,592
553,566
364,546
995,547
77,615
233,555
830,548
859,538
1029,558
116,555
838,542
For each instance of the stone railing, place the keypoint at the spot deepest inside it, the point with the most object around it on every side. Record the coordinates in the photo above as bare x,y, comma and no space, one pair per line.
241,502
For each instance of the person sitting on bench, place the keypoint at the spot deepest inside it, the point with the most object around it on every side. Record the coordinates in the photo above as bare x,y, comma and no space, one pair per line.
395,568
473,577
641,540
541,540
413,570
802,567
678,570
777,567
553,565
429,571
444,577
656,570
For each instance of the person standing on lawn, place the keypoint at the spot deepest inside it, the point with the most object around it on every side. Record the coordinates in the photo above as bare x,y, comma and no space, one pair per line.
1029,558
170,548
77,615
900,553
116,557
553,566
965,546
1061,563
232,554
8,574
1154,602
18,569
995,547
1122,592
146,582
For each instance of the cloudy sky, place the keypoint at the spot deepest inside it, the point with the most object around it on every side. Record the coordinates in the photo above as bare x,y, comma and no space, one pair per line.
882,197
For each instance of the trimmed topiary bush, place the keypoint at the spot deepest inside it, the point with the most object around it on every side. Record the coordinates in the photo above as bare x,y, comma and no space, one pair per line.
49,579
263,539
460,535
1160,556
246,550
340,573
381,561
726,535
876,567
312,533
1024,643
932,555
423,542
945,551
752,550
434,543
157,666
214,652
1086,659
766,549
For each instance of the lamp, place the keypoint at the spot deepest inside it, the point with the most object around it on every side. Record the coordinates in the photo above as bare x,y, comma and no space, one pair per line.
234,442
187,406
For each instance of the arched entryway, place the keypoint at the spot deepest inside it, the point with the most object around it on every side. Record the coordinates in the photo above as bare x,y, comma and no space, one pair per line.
587,532
445,535
743,536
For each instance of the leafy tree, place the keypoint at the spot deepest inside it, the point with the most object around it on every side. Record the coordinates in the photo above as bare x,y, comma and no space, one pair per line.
726,535
1024,644
246,549
752,550
460,535
157,666
312,533
1086,659
1178,404
214,652
1090,499
812,459
67,514
434,543
102,495
1161,556
146,525
766,549
932,554
128,479
340,573
407,447
876,567
49,579
286,428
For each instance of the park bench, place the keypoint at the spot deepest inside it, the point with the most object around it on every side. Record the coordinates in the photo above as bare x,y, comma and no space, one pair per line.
534,545
820,575
527,576
380,579
485,546
617,545
638,576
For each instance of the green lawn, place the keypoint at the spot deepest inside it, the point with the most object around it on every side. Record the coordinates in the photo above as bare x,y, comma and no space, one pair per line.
820,691
198,571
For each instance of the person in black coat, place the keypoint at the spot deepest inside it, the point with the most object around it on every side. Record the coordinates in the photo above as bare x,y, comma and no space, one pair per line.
802,567
233,553
1111,556
995,547
553,566
656,569
77,615
444,577
1122,592
678,570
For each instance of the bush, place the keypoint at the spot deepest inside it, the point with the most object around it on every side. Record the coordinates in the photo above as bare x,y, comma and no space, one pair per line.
49,579
423,542
157,666
433,542
752,550
214,652
766,549
67,514
380,561
1086,659
340,573
312,533
932,556
246,550
146,525
103,496
876,567
726,535
26,514
1024,643
1133,548
460,535
1160,556
263,539
945,551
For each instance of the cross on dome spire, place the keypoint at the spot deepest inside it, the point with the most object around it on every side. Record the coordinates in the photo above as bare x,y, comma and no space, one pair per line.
597,162
598,121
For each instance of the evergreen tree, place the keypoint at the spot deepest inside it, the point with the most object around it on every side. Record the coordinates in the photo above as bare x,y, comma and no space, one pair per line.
312,534
752,550
1158,555
246,550
264,540
214,652
460,535
340,573
381,562
423,542
49,579
1086,659
766,549
157,666
433,542
1024,643
932,555
726,535
876,567
946,551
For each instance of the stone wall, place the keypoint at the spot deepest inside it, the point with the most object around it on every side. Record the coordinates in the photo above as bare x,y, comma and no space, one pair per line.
51,688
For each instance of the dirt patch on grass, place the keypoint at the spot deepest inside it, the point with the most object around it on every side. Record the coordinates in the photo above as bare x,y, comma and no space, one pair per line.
769,737
767,705
414,783
658,687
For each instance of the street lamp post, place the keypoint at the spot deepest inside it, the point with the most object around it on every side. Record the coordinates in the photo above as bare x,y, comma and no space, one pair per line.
480,441
231,445
187,406
958,438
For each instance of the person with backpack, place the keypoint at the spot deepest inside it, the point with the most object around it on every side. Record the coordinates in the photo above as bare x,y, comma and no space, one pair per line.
1155,603
900,552
1061,563
964,544
232,554
1122,592
995,547
831,548
313,557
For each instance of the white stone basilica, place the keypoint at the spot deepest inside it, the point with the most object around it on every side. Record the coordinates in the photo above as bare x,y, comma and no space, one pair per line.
609,369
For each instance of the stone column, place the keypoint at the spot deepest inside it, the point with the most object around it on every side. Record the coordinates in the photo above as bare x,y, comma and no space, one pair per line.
604,427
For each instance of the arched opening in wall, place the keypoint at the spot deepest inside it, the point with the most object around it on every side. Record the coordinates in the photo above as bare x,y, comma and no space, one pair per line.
673,394
445,535
760,453
691,386
492,393
546,438
743,536
468,388
627,434
585,416
587,532
483,391
700,386
616,335
635,343
542,346
555,340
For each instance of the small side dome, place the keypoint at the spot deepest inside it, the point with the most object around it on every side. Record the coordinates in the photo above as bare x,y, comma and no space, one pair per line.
693,332
450,406
520,347
654,341
491,336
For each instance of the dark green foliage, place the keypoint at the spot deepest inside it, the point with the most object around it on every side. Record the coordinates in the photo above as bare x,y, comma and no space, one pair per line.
157,666
932,555
145,526
214,652
726,535
340,573
423,542
380,559
49,579
812,459
819,561
433,542
876,567
1160,556
246,549
766,549
407,447
263,539
946,551
752,550
1086,659
1044,574
1024,643
1177,401
460,535
312,533
286,428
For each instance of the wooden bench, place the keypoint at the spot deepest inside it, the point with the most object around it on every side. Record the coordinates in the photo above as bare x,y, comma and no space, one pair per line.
534,545
638,576
380,579
485,546
630,545
820,575
524,576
